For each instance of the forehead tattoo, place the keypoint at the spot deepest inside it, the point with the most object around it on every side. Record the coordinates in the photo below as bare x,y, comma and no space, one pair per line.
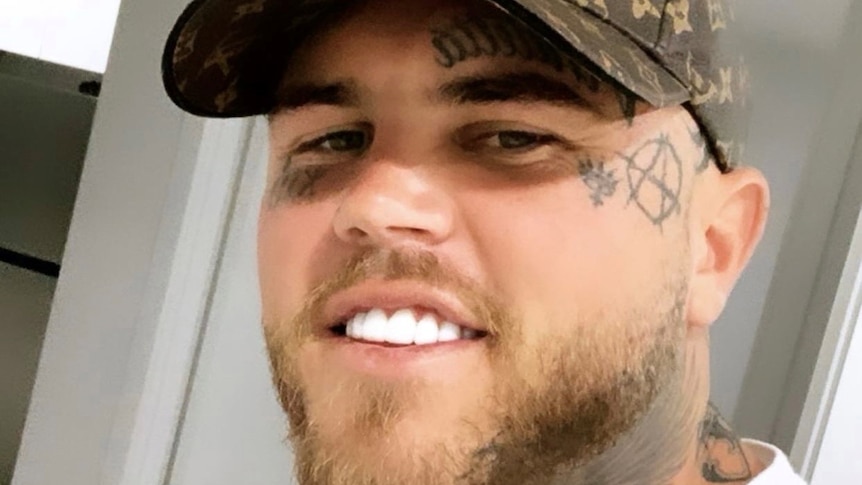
465,38
471,37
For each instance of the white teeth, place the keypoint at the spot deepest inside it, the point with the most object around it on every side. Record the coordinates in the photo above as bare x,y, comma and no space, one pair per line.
426,331
356,326
448,332
374,326
359,323
401,327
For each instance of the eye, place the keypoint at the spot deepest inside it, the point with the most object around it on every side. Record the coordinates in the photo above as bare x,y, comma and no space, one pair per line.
339,141
336,145
508,142
504,138
318,165
516,139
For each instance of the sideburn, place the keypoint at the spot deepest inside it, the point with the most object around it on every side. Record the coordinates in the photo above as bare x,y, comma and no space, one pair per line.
569,432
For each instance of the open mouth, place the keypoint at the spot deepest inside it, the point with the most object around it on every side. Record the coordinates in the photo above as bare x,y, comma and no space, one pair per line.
401,328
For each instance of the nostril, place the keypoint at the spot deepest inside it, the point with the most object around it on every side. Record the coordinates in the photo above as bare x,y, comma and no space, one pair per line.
416,232
387,235
384,216
356,233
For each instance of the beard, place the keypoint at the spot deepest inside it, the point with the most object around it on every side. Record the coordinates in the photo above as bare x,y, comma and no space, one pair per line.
560,406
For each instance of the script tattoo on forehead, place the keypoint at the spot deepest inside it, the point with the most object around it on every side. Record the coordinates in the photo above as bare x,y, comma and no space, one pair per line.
472,37
655,172
601,182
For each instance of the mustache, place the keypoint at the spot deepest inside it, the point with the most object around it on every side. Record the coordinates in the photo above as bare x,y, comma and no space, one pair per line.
403,265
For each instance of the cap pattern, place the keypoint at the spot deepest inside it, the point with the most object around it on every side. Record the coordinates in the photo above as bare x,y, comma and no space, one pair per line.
219,60
640,8
678,13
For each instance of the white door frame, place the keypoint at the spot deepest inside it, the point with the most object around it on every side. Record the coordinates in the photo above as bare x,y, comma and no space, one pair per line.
156,193
829,418
829,436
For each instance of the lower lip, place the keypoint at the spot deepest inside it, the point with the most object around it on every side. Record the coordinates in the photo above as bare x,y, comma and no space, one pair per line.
391,360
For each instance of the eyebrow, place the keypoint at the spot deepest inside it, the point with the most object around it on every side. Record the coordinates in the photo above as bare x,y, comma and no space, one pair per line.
297,96
512,87
483,89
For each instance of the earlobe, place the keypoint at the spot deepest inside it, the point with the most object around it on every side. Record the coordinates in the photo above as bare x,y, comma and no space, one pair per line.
732,225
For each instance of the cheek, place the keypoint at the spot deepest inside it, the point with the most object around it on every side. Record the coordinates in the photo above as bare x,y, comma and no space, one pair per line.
286,242
559,259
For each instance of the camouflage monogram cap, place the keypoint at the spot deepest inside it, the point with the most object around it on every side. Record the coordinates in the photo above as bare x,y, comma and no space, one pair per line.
225,58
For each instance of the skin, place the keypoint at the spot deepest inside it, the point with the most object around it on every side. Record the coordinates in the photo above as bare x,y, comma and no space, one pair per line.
581,231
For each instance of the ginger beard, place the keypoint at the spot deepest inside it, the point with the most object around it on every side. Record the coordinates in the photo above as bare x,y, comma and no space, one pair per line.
538,404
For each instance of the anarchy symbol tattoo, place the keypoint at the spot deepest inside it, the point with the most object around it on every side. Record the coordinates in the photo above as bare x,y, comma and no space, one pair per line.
654,173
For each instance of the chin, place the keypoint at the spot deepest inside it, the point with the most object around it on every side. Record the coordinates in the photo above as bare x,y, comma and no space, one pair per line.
363,430
408,450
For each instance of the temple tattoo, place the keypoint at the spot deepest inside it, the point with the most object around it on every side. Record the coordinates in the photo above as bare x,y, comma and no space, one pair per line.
654,172
628,105
700,141
723,460
473,37
601,182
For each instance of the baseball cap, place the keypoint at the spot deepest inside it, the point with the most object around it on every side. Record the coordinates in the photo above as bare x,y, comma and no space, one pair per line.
225,58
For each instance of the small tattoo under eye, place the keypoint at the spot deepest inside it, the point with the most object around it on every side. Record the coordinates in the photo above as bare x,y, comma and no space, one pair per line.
297,183
601,182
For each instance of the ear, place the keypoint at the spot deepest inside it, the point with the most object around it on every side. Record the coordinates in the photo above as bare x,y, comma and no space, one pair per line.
728,226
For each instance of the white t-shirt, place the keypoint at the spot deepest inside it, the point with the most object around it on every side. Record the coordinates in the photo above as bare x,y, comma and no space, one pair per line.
778,470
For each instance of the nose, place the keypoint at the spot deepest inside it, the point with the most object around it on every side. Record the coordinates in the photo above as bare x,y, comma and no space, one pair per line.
391,205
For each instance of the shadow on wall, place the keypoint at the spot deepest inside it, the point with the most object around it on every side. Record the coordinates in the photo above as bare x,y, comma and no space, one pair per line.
791,47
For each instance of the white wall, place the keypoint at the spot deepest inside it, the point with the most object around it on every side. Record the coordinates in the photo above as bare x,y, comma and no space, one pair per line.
818,231
74,33
792,48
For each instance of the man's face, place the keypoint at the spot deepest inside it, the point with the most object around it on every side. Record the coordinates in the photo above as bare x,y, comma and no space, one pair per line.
439,173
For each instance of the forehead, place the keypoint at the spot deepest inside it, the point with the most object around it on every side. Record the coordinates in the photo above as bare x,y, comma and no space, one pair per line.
405,18
409,33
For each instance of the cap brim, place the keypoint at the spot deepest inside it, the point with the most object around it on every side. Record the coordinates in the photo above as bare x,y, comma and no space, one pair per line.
219,59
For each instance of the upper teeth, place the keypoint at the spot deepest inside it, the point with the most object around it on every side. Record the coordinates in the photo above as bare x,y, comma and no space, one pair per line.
403,328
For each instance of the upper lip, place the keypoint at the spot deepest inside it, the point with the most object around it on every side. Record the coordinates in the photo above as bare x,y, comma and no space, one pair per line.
394,295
